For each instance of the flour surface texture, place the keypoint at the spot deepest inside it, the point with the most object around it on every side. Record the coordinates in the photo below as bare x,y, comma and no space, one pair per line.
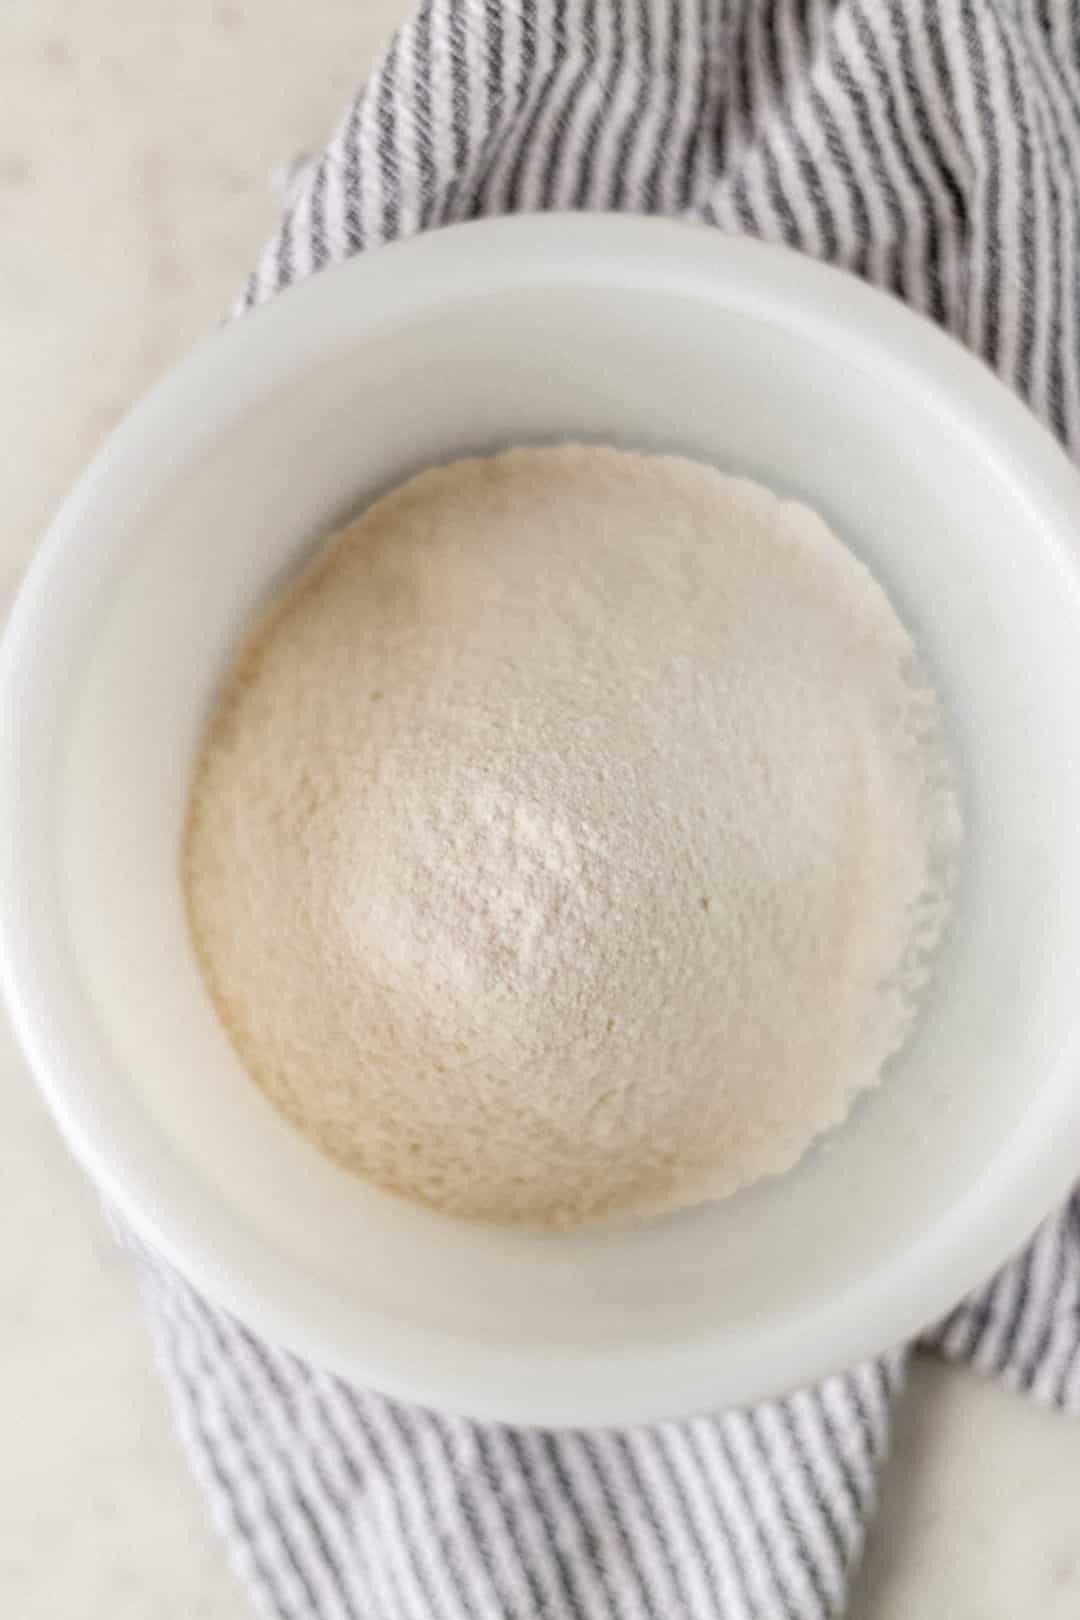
567,842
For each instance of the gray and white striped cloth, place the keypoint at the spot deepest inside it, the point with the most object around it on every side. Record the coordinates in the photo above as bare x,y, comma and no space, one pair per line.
932,146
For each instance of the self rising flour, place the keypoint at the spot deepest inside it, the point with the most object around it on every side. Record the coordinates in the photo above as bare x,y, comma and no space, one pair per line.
566,842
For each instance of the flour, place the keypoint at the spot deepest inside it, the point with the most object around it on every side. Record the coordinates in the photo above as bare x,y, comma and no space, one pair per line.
565,843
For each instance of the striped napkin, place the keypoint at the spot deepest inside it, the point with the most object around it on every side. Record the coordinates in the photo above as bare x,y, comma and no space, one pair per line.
933,147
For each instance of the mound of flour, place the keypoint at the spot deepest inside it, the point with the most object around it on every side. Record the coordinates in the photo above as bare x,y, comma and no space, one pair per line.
566,843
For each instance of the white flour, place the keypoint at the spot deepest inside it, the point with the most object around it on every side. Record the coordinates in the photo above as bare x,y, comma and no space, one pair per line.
564,844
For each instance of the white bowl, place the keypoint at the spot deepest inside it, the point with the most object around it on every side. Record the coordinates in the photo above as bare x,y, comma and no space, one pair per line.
636,333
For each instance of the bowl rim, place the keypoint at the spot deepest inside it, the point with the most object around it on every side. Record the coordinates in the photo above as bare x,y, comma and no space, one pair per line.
139,1176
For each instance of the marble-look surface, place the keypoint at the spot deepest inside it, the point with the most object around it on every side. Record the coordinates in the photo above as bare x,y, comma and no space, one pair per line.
136,141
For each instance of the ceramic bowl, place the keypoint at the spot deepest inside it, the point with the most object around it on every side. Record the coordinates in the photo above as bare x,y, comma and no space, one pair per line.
621,331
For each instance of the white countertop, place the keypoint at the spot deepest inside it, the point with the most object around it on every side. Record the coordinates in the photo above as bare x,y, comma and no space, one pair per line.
135,150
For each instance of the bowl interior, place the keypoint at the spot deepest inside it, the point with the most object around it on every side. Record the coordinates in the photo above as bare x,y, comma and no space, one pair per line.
200,510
